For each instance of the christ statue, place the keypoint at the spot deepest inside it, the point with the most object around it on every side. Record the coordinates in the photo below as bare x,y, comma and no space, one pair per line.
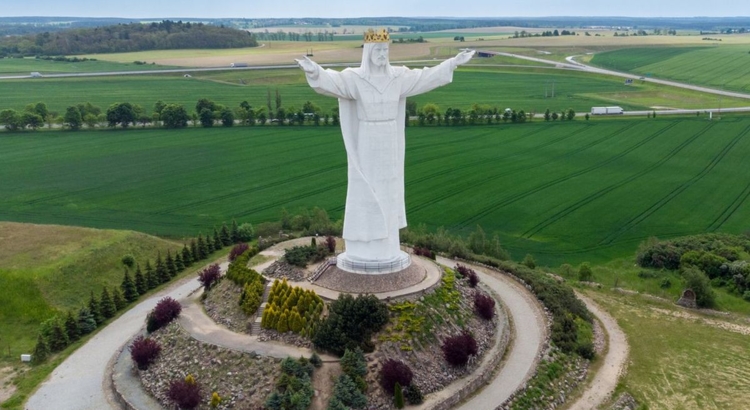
372,110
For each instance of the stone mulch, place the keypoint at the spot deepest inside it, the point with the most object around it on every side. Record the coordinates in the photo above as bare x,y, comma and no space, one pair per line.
280,270
342,281
242,380
222,306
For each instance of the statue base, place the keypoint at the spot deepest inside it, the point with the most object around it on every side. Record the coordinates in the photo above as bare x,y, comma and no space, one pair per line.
399,263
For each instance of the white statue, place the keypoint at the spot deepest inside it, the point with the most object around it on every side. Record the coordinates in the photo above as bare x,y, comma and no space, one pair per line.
372,108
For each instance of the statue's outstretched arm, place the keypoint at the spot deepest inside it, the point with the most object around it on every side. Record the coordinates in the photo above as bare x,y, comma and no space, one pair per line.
463,57
308,66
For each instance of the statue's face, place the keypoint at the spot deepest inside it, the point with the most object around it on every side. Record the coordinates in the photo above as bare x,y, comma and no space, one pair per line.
379,54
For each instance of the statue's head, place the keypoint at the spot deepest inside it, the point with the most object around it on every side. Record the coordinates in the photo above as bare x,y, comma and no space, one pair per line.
375,53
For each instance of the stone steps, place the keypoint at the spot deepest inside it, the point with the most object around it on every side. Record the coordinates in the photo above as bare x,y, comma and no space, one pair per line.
255,327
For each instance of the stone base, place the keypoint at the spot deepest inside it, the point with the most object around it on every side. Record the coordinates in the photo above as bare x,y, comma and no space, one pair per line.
357,283
397,264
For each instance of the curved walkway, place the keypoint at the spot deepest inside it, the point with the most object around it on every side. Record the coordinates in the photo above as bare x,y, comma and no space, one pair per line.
603,385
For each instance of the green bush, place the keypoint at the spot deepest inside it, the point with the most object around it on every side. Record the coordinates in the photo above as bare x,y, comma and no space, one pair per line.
529,261
696,280
584,273
351,323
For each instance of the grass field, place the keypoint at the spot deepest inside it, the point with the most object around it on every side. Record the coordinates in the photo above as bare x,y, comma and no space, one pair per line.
24,66
54,268
520,88
565,192
723,67
680,359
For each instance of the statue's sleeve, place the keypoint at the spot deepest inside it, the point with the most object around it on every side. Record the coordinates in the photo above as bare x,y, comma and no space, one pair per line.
419,81
329,82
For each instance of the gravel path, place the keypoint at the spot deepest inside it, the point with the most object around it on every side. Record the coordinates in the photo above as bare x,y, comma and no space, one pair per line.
80,382
530,332
603,385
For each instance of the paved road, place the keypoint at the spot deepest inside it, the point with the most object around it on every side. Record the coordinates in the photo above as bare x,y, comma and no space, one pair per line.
79,382
530,331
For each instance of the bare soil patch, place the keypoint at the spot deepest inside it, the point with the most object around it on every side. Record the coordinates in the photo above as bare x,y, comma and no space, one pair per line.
323,380
6,383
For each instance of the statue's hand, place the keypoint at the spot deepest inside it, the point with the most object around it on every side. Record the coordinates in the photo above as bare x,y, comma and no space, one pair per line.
464,57
307,65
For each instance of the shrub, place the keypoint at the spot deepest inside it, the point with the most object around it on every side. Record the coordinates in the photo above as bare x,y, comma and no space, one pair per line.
215,400
347,395
462,270
166,310
350,323
746,295
41,350
315,360
144,351
331,244
186,394
484,306
473,278
420,251
398,397
700,284
584,273
238,250
413,395
666,283
468,274
128,260
529,261
458,348
209,276
395,373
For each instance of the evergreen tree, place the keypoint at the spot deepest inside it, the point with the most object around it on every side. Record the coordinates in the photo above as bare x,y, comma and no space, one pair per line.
218,243
398,397
282,326
169,262
151,279
41,350
179,266
202,248
129,289
118,299
71,327
209,245
86,321
234,234
162,275
58,338
107,305
141,284
187,256
226,238
95,310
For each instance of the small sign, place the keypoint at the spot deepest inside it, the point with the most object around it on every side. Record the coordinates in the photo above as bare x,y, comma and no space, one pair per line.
25,358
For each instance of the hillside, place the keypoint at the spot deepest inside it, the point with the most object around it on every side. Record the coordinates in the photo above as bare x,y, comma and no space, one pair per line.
166,35
49,268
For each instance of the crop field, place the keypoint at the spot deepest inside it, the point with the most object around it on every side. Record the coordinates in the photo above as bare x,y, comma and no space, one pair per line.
522,89
565,192
724,67
24,66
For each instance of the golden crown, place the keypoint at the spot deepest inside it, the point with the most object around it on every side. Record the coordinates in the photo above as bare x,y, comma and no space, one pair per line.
372,36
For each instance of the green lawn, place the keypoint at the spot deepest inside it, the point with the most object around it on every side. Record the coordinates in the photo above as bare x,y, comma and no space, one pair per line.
565,192
721,66
521,89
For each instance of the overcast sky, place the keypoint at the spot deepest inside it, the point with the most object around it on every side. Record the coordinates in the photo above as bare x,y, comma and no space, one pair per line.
372,8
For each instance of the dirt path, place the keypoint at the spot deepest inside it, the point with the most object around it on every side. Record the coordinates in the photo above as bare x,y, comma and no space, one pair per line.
323,381
603,385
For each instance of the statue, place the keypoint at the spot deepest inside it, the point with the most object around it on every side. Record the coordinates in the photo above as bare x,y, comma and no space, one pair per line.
372,109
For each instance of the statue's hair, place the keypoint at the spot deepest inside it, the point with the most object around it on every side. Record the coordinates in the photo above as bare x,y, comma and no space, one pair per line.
366,52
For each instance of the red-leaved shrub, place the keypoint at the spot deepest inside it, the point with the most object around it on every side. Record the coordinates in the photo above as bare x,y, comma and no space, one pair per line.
394,372
484,306
462,270
331,244
165,311
457,349
419,251
209,276
144,351
238,250
184,394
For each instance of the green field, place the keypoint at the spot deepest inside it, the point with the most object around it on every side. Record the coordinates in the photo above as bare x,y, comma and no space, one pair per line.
724,67
522,89
565,192
24,66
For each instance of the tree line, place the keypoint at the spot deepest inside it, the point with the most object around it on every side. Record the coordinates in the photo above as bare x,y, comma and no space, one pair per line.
130,37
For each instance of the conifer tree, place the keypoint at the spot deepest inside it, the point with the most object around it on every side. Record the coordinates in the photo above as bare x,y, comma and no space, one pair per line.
129,289
107,306
202,248
58,338
71,327
151,279
218,244
169,262
141,284
226,238
296,322
234,234
187,256
195,254
209,245
283,324
95,310
162,274
118,299
179,266
398,397
41,350
86,321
